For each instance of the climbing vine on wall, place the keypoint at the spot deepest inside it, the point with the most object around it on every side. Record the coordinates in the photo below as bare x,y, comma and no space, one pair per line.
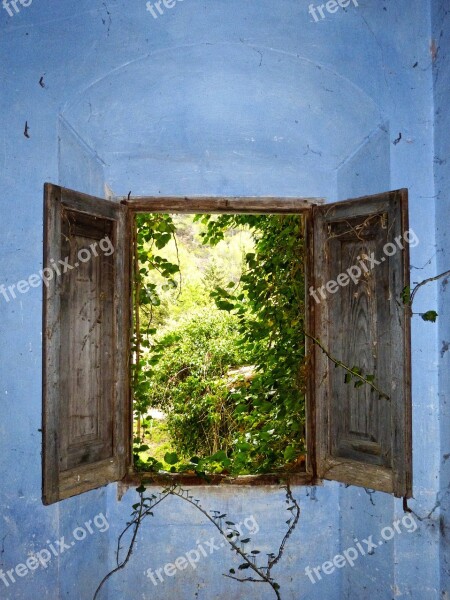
252,560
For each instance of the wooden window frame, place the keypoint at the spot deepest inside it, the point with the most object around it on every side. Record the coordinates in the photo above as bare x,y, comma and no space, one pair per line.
220,205
310,209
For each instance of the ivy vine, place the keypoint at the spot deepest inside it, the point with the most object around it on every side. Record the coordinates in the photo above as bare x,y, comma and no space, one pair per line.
250,556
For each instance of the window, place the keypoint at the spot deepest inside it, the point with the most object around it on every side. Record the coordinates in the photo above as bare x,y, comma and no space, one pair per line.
358,432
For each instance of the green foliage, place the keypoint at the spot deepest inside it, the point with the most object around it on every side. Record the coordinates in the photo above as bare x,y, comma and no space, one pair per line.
214,277
269,303
406,295
153,232
254,318
189,380
356,372
430,315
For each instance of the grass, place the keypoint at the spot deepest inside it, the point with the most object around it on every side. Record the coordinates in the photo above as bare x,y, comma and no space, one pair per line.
159,440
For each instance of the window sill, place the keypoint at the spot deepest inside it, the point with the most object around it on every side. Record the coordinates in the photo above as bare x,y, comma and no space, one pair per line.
135,479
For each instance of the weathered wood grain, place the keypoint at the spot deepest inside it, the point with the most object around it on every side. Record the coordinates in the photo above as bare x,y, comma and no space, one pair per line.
209,205
86,412
354,436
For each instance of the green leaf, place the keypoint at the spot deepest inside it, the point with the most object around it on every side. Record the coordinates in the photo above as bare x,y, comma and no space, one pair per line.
220,456
406,295
223,305
289,453
171,458
171,269
163,240
347,378
430,315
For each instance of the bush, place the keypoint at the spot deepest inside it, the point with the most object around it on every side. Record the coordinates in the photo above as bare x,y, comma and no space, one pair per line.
189,380
256,424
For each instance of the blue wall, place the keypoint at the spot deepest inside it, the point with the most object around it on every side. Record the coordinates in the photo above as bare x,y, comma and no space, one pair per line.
223,97
441,77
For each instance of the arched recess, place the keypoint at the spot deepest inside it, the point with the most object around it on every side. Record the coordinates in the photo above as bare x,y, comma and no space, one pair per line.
224,119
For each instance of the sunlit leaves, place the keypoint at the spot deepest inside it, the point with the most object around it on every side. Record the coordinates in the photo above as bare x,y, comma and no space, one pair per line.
255,424
406,295
171,458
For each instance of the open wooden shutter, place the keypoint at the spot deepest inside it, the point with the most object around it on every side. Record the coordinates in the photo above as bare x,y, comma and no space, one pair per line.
356,436
86,330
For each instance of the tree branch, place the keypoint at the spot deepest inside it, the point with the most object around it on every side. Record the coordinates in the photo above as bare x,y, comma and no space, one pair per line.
424,282
292,526
137,523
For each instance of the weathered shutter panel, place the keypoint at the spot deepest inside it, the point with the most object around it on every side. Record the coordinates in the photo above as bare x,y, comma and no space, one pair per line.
86,329
356,436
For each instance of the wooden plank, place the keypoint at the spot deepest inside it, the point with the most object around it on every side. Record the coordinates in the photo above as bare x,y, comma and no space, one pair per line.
84,478
217,205
310,319
360,438
51,340
84,203
86,321
350,472
361,319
